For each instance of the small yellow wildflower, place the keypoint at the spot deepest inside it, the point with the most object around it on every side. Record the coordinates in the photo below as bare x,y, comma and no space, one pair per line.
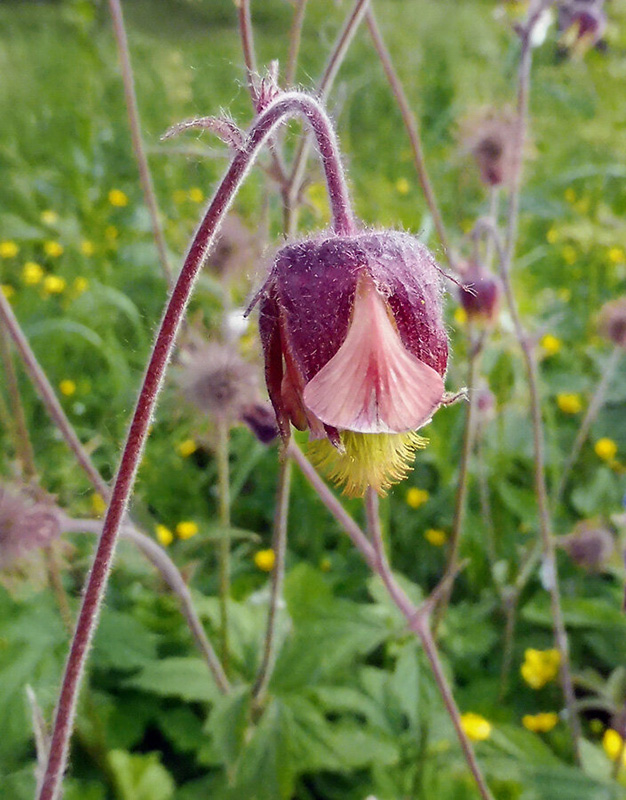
186,448
613,745
111,233
617,255
325,564
8,249
179,196
569,403
416,497
87,247
32,273
436,537
550,344
402,186
53,284
570,254
98,505
53,249
552,236
540,667
185,530
80,285
7,290
460,316
540,723
196,195
476,727
118,198
67,387
164,535
570,195
605,448
49,217
265,560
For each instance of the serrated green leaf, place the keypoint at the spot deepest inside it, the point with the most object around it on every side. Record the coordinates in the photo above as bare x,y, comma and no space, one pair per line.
185,677
140,777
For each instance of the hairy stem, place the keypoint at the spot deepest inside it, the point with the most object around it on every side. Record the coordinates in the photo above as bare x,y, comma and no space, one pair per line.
295,35
132,107
285,106
279,546
223,491
412,128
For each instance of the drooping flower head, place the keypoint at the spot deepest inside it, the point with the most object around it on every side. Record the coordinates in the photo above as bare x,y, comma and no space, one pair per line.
590,545
489,136
612,321
480,293
582,23
26,524
355,350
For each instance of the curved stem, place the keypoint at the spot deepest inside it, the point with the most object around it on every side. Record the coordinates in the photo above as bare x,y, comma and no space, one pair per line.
171,575
135,131
247,44
279,546
592,412
223,490
285,106
412,128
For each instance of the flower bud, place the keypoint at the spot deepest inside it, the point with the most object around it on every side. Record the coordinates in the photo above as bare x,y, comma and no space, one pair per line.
489,137
589,545
26,523
612,321
480,293
355,351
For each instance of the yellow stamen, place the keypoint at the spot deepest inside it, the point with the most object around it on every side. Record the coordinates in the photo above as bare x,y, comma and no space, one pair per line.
369,459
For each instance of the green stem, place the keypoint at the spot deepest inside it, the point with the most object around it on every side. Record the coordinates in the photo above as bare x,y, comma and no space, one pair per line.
223,489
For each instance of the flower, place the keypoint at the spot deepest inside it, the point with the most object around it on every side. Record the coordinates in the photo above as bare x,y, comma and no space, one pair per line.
570,255
80,285
7,290
402,186
265,560
53,284
617,255
49,217
590,545
489,136
582,23
185,530
480,294
164,535
436,537
186,448
476,727
356,351
27,523
67,387
612,321
196,195
613,745
540,723
551,345
569,403
87,247
98,504
53,249
460,315
8,249
261,420
540,667
605,448
552,236
416,497
118,198
32,273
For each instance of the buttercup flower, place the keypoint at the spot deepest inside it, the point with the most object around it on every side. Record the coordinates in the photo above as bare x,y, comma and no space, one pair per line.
613,745
416,497
54,284
476,727
605,448
569,403
540,667
67,387
355,351
118,198
186,448
185,530
551,344
435,537
540,723
32,273
53,249
265,560
8,249
164,535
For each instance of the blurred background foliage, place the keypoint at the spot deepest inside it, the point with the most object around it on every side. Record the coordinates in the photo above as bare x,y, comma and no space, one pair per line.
352,710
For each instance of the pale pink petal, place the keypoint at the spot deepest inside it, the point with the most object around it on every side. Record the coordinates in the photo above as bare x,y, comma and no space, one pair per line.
373,384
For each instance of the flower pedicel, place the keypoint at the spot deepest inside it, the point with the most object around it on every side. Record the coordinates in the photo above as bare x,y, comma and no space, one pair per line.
356,351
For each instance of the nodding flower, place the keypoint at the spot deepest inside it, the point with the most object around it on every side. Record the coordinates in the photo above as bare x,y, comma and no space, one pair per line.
480,293
356,351
582,23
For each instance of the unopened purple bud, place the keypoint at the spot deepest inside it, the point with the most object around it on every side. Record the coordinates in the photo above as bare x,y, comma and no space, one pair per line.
261,420
590,545
480,293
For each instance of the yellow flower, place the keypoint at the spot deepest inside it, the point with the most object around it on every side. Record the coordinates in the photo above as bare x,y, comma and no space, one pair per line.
552,236
98,504
87,248
476,728
80,285
53,249
540,667
32,273
49,217
7,290
436,537
551,344
117,198
186,448
196,195
570,255
570,195
53,284
111,233
569,403
617,255
460,316
265,560
185,530
67,387
8,249
582,206
179,196
325,564
402,186
416,497
606,449
540,723
164,535
613,745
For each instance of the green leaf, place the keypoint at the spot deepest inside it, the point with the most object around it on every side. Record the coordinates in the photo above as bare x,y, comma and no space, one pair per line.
140,777
187,678
122,643
578,612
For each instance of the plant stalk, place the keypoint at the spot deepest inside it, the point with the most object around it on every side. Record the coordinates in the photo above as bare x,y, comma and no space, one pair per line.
223,491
